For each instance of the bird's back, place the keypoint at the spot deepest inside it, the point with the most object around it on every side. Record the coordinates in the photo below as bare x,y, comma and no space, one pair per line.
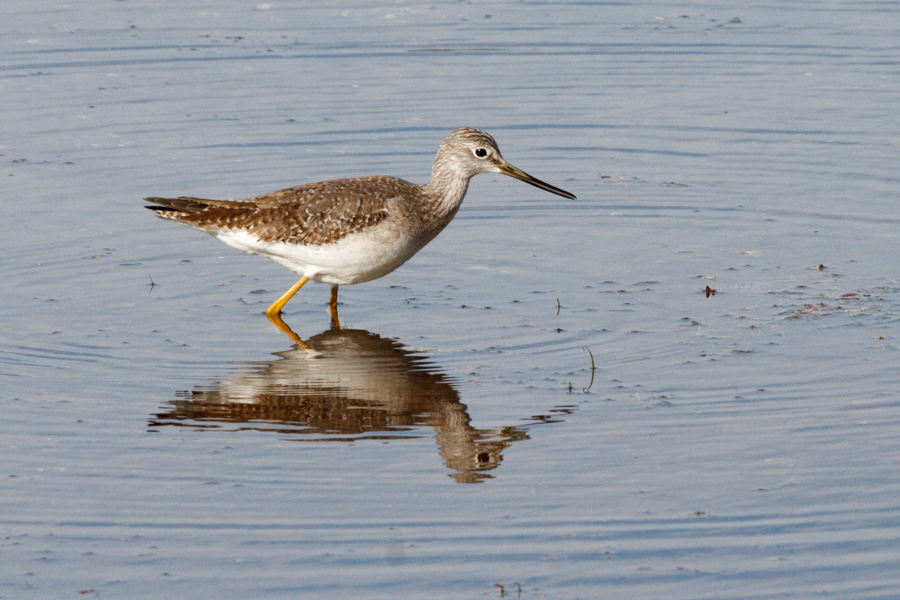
311,214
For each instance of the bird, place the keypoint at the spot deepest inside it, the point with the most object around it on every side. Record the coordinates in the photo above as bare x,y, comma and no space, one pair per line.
348,231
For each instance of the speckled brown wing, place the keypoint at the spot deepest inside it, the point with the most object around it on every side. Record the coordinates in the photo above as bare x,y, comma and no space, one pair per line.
312,214
324,212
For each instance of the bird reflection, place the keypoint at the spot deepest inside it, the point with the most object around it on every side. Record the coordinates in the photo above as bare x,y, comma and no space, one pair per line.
344,385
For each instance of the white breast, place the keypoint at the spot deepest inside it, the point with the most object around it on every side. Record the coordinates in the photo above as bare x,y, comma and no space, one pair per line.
357,258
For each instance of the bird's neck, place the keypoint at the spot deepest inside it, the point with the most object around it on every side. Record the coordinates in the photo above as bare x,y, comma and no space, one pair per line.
446,190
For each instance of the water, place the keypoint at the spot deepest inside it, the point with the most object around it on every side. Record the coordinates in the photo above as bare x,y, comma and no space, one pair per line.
162,439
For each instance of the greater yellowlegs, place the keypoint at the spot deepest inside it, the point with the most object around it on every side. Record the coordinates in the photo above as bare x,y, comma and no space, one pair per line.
348,230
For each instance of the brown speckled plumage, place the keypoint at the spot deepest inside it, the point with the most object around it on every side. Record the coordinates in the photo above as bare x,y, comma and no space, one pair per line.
314,214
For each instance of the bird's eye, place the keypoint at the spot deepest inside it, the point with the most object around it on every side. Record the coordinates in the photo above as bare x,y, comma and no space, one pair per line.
480,152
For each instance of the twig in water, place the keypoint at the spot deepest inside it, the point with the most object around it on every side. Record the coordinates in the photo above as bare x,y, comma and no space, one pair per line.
593,368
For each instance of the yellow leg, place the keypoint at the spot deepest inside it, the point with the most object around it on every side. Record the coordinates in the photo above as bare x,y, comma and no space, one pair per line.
276,307
332,307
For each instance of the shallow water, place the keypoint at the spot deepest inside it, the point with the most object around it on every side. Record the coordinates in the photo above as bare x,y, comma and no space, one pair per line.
162,439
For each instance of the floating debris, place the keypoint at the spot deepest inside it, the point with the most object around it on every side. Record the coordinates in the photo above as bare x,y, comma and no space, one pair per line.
593,369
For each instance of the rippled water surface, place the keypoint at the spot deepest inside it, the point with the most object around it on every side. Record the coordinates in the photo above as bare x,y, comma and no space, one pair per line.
683,384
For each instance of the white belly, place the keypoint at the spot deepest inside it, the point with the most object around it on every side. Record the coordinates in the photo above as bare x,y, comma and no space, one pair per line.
357,258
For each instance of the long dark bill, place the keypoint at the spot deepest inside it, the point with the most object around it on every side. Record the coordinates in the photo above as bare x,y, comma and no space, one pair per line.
508,169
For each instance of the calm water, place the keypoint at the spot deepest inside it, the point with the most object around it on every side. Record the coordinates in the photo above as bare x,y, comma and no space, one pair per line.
161,439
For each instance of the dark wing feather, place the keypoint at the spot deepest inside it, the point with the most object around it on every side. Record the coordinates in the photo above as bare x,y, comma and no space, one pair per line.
190,205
